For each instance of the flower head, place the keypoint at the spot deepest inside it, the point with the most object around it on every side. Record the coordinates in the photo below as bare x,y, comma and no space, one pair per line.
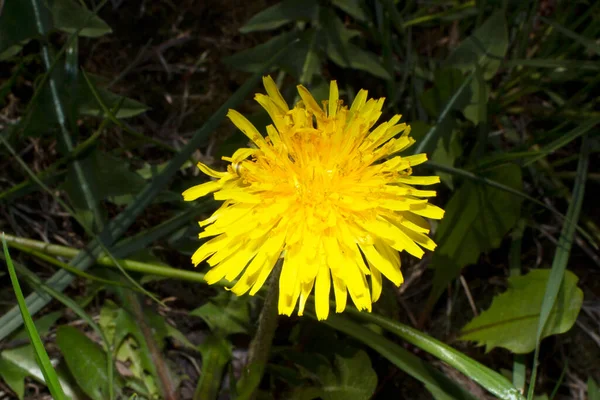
325,192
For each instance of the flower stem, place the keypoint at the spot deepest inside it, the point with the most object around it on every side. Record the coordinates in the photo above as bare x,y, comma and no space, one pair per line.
260,347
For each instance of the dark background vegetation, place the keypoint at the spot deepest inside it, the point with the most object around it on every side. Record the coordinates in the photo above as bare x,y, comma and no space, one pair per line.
513,104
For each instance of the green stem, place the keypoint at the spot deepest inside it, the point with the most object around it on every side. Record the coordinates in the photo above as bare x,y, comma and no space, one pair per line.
260,347
136,266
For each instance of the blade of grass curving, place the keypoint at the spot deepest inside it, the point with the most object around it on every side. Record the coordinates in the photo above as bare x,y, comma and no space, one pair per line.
554,63
429,141
76,308
565,139
590,44
81,174
11,320
397,355
41,356
494,382
519,361
477,178
561,257
71,269
458,8
72,37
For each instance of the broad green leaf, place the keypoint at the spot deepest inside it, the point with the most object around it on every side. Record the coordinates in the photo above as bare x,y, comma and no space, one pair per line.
353,8
16,27
450,93
447,81
70,16
86,361
225,314
216,353
593,391
280,14
512,319
87,104
350,378
477,218
447,155
476,109
21,362
13,376
253,60
486,47
345,54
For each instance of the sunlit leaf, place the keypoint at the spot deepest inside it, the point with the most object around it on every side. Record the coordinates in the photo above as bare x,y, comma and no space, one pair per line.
512,319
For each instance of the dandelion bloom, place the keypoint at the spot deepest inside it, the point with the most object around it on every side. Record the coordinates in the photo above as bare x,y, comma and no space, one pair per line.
325,192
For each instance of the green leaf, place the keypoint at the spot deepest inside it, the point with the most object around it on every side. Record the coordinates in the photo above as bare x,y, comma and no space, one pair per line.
13,376
253,60
350,378
476,110
280,14
225,314
486,47
477,218
216,353
87,104
593,391
345,54
512,319
16,27
450,93
70,16
353,8
397,355
21,362
86,361
42,358
494,382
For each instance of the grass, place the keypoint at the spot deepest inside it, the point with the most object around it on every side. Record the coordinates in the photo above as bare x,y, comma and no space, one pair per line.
486,88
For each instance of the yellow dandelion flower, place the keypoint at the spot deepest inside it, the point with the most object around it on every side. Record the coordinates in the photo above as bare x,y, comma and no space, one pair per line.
325,192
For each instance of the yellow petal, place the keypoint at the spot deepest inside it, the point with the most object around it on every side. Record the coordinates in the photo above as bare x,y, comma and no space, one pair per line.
210,247
427,210
309,101
382,263
274,93
340,291
211,172
333,98
198,191
376,284
305,289
247,128
322,288
359,101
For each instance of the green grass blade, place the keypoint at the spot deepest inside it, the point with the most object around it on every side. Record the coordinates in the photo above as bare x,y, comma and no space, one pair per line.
42,357
565,139
397,355
59,281
492,381
561,257
76,308
588,43
429,141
